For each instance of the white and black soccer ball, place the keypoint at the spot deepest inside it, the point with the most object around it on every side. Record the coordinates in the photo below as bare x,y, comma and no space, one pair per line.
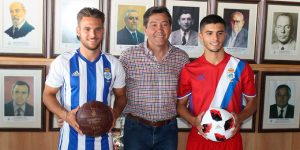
218,124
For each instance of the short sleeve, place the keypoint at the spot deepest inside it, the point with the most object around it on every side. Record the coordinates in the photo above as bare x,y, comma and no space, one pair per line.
184,88
120,75
55,77
249,88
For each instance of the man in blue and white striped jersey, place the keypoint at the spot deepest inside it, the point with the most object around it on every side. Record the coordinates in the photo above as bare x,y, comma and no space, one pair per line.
84,75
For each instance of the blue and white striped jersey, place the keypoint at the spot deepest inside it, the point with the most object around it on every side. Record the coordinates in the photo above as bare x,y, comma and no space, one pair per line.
80,81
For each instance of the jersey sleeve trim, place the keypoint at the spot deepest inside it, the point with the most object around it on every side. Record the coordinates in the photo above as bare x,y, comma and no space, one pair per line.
182,97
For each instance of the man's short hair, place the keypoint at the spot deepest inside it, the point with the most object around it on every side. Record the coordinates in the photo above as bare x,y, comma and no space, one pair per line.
284,86
20,83
186,11
90,12
156,10
211,19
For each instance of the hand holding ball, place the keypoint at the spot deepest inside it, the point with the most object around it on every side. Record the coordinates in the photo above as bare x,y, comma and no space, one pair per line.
218,124
94,118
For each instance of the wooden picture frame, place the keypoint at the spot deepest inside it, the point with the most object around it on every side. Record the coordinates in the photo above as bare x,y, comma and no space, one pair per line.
279,89
198,10
65,22
119,40
243,45
284,31
22,86
23,26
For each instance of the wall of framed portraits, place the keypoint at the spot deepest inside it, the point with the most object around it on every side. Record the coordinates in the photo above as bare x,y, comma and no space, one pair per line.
270,43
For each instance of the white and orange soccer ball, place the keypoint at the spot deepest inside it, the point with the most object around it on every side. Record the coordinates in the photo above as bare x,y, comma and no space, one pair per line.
218,124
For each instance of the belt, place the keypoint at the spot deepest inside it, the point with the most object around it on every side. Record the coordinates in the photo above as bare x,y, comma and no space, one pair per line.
151,123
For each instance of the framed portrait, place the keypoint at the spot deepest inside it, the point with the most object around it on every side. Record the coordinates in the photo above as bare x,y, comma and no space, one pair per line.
280,107
282,33
240,40
248,125
126,24
65,23
23,28
21,98
185,26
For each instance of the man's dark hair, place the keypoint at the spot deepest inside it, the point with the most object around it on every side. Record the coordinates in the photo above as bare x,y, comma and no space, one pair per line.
185,11
21,83
156,10
284,86
211,19
90,12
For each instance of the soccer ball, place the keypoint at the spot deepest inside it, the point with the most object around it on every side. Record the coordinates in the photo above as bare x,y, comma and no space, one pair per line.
217,124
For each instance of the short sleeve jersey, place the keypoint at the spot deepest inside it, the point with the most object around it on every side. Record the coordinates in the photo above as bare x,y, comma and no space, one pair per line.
199,81
80,81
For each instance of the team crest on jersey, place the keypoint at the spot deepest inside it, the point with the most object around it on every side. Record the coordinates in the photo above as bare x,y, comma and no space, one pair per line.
230,73
107,74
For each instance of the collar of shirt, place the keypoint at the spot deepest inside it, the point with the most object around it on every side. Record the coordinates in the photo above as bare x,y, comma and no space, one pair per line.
150,53
279,111
130,30
17,106
286,45
20,25
187,34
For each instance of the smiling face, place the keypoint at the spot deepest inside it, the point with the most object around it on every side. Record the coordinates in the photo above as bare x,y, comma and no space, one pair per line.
213,37
158,30
90,31
17,13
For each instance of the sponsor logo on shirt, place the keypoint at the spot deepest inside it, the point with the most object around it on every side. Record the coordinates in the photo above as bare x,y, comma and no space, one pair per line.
75,74
201,77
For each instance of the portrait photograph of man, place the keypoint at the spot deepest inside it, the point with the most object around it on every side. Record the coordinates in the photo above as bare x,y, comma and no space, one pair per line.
185,26
20,26
21,29
282,108
130,23
18,96
237,28
284,35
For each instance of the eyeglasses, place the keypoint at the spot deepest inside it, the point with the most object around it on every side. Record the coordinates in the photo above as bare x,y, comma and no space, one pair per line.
131,18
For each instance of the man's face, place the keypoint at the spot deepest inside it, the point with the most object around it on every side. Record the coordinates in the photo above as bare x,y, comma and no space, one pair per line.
17,13
213,37
282,97
158,30
20,94
283,29
237,22
185,22
90,31
132,21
